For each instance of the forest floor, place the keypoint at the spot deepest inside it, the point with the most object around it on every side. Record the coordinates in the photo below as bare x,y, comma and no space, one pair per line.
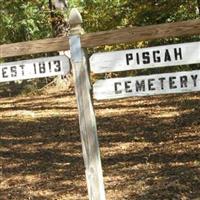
150,147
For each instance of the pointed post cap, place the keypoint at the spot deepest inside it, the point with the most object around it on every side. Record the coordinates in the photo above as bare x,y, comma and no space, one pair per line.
75,17
75,21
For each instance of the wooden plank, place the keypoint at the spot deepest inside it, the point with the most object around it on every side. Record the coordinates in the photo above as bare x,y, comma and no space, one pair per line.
133,34
34,47
124,35
153,57
88,131
168,83
87,120
34,68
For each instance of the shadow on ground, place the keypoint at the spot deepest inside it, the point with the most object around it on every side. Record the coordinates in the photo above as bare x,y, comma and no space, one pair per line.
149,147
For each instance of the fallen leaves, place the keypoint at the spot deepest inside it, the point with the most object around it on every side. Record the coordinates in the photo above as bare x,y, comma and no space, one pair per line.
150,147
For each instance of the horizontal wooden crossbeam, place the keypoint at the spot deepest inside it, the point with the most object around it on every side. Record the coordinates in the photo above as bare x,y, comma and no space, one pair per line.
124,35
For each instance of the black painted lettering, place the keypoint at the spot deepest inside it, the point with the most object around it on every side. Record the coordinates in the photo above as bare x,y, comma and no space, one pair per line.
4,72
151,84
184,81
57,66
129,57
22,68
42,69
117,85
127,86
140,86
167,56
13,71
162,82
172,82
146,57
35,69
49,66
194,78
156,58
178,54
138,58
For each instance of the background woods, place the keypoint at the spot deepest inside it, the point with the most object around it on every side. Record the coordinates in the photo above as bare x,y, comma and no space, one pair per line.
28,20
149,145
32,20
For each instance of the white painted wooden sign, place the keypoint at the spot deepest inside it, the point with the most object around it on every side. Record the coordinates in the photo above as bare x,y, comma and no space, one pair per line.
160,56
34,68
179,82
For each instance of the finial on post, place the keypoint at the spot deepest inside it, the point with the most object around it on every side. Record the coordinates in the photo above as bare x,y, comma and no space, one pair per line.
75,21
75,17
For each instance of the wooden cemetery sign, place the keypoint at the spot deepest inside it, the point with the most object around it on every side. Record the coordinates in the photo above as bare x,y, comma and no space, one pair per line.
161,56
90,40
154,57
34,68
168,83
87,120
169,55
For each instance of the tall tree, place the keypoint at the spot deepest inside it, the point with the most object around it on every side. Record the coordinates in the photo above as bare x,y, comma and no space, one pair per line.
198,6
58,21
22,21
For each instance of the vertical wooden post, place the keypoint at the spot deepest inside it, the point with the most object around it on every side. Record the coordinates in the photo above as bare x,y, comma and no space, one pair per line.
87,121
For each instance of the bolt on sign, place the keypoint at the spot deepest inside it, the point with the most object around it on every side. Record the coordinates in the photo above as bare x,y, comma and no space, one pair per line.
34,68
155,84
153,57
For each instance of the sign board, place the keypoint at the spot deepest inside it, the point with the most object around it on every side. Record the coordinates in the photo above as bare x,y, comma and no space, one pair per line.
179,82
34,68
153,57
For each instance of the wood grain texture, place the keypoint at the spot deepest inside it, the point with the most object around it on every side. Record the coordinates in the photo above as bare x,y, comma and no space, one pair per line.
34,47
150,32
124,35
87,121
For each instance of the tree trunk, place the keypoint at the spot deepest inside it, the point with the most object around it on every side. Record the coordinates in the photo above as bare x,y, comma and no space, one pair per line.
52,17
198,6
59,28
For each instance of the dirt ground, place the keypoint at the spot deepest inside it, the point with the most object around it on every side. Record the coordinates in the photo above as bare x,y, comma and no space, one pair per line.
150,147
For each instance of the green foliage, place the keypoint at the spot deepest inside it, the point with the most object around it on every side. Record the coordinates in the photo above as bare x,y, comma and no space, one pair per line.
110,14
100,15
24,20
29,20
